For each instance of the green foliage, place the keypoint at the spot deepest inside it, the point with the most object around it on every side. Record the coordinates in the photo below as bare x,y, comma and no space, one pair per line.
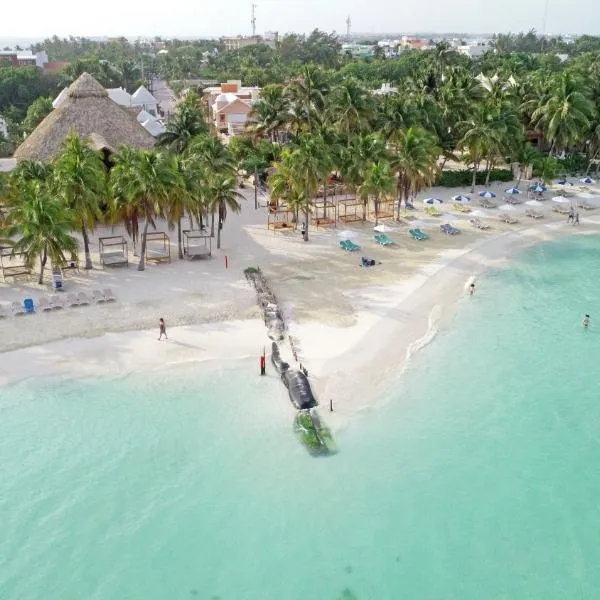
572,164
36,112
462,178
19,87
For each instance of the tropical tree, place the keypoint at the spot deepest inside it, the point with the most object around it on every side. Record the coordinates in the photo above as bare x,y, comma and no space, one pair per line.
141,182
270,115
224,197
414,159
80,180
564,114
351,108
183,126
526,156
41,226
378,183
307,94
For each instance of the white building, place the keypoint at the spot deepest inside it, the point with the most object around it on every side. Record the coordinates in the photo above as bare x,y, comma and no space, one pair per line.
142,97
230,105
150,123
474,49
23,58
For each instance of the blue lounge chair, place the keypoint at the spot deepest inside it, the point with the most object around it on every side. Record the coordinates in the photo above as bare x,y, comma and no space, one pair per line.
349,246
418,235
383,240
447,228
28,305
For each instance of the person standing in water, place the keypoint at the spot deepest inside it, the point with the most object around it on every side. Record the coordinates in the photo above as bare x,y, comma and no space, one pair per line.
586,321
162,329
472,289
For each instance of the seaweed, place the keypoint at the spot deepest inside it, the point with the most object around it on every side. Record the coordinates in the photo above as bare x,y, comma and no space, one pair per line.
315,436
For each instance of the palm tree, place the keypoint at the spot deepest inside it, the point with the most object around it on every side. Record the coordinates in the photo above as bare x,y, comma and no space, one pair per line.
42,226
32,170
564,115
224,196
80,180
307,94
182,127
141,182
309,163
414,158
351,108
526,156
378,183
271,113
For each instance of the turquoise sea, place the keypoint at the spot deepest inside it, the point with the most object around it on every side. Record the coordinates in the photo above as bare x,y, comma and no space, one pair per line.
476,477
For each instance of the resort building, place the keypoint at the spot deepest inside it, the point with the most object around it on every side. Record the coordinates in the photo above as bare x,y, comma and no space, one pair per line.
475,49
23,58
230,105
87,109
239,41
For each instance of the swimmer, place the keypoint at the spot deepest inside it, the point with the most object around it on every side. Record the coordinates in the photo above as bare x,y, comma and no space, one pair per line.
472,289
586,321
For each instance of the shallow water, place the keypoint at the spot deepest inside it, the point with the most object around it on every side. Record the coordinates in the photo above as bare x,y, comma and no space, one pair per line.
475,478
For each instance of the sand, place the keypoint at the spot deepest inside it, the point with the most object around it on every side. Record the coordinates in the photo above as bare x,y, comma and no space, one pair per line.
354,327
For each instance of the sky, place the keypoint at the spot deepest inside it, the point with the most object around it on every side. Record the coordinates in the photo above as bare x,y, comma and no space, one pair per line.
213,18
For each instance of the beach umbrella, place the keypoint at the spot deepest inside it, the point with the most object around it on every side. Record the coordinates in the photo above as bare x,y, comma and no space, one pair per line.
417,223
561,200
534,203
347,235
507,208
461,199
513,190
479,214
587,180
487,194
432,201
564,182
383,228
537,187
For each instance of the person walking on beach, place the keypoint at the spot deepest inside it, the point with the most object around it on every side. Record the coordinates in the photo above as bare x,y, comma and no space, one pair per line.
576,221
162,329
571,216
586,321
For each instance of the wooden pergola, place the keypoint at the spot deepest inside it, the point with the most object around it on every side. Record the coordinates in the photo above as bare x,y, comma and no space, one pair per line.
350,210
328,216
113,251
197,244
281,219
158,247
13,264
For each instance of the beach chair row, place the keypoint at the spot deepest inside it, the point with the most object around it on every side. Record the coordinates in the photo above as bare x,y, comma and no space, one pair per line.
46,304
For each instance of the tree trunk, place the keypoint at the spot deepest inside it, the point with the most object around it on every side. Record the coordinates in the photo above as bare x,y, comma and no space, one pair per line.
219,231
399,196
376,202
43,259
306,224
179,241
212,224
488,173
142,263
474,182
325,199
365,202
86,247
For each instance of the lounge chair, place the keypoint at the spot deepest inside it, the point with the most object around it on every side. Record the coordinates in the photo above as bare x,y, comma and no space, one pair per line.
508,219
418,235
478,223
98,297
108,295
72,300
461,208
29,306
534,214
383,240
432,211
83,299
447,228
512,199
56,302
17,309
485,203
44,304
561,209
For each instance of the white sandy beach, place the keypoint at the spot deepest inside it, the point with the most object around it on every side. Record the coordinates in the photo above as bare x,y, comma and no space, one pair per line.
354,327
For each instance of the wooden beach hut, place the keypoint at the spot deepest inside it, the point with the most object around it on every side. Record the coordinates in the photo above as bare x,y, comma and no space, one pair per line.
88,111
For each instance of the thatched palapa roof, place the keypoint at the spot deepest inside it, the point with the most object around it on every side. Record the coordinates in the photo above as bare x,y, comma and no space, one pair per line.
89,112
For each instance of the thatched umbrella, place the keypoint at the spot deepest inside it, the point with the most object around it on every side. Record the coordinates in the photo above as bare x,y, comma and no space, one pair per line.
89,112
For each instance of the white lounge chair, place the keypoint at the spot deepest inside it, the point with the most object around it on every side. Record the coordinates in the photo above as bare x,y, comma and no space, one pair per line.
98,297
508,219
17,308
534,214
44,304
108,295
56,302
83,299
478,223
72,300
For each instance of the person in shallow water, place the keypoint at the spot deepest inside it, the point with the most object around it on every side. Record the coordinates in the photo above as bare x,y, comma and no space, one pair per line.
586,321
162,329
472,289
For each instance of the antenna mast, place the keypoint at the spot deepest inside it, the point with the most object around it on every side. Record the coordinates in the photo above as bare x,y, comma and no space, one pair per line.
253,21
348,26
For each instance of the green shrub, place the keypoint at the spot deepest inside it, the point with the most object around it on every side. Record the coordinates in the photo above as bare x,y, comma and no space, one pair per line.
571,165
464,177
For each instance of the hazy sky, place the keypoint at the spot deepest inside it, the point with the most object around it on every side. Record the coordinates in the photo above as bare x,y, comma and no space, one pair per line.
224,17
